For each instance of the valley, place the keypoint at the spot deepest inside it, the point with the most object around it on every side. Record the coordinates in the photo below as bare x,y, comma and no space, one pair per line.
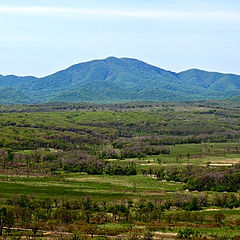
139,170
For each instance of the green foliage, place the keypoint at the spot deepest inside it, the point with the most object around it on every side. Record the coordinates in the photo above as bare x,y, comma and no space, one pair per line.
72,174
220,181
118,80
219,217
235,99
186,233
126,169
13,96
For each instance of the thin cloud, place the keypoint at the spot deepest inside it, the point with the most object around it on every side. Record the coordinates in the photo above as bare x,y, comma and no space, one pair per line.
225,16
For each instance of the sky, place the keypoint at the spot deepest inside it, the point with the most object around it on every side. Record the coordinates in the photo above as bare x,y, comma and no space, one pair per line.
40,37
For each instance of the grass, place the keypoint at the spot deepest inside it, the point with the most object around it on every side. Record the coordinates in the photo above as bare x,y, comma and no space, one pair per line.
76,185
116,188
85,130
199,155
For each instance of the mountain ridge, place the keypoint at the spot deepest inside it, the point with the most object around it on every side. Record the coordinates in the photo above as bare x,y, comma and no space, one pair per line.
120,80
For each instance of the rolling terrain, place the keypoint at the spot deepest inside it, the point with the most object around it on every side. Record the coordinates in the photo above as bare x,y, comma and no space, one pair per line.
120,171
118,80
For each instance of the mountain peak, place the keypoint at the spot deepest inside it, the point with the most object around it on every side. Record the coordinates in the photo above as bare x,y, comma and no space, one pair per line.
119,80
111,58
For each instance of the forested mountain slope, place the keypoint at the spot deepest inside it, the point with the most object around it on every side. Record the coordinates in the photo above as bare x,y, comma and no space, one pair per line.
118,80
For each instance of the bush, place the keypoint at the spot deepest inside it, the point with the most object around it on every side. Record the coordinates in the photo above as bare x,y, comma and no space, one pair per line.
186,233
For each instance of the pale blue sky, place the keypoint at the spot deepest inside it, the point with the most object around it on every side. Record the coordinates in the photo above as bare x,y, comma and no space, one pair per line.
39,37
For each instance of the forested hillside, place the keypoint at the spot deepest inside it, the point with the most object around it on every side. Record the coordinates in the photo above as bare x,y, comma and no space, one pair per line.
119,80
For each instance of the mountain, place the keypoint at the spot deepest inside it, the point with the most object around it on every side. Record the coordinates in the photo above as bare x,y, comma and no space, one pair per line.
235,99
118,80
210,80
12,96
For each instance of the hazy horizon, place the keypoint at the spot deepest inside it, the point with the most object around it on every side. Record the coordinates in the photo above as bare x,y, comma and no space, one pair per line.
66,67
41,38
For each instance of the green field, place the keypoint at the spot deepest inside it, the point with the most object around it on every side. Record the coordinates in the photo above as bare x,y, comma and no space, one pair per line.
120,172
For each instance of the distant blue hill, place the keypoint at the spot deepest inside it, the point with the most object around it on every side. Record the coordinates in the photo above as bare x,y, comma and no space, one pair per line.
118,80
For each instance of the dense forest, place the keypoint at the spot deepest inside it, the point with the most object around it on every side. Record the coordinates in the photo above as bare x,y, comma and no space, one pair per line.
114,79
